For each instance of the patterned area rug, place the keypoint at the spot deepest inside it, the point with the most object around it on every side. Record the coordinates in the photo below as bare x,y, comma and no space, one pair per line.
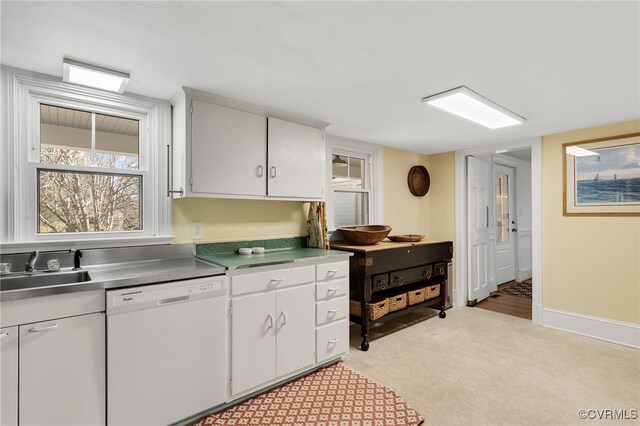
522,289
333,396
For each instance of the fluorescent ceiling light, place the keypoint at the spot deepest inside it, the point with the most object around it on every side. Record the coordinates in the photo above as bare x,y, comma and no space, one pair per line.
468,104
579,152
92,76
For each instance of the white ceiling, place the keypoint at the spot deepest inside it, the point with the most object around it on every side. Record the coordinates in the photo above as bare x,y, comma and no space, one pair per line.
361,66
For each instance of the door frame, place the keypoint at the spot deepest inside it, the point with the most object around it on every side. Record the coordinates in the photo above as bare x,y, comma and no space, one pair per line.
461,270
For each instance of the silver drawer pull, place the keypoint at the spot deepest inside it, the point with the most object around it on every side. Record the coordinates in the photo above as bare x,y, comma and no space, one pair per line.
260,171
270,321
3,335
332,271
284,318
334,310
277,280
49,328
334,341
332,289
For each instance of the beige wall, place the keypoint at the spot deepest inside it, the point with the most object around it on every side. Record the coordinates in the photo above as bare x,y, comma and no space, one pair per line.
405,213
591,265
228,220
441,196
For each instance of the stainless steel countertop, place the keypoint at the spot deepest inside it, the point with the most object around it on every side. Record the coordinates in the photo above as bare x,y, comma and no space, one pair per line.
116,275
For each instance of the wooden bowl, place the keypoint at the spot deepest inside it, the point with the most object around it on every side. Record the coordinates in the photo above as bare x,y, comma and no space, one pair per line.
365,235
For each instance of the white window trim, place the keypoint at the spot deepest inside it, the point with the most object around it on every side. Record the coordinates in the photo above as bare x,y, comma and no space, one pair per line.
23,92
370,151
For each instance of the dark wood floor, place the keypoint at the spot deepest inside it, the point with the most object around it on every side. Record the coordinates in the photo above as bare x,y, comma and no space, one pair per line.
507,304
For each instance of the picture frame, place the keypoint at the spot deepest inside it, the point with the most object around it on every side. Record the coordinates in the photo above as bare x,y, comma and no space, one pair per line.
601,177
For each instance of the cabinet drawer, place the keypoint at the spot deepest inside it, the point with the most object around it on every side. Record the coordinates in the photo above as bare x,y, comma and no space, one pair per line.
411,275
332,310
332,340
330,271
271,280
332,289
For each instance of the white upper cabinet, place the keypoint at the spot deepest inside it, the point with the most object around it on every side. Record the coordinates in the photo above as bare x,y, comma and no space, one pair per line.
296,160
229,149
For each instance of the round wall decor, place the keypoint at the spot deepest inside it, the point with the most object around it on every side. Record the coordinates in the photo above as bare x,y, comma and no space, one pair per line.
418,181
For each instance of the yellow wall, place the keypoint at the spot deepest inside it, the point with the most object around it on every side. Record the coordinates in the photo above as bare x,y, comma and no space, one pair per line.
591,265
228,220
405,213
441,196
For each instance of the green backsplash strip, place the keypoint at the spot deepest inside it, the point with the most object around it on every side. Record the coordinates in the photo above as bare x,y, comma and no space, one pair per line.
233,246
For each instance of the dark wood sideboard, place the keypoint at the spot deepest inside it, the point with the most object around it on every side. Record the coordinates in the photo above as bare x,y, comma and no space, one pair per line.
390,265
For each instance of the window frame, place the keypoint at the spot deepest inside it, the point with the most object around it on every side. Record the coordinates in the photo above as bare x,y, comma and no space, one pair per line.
25,92
372,153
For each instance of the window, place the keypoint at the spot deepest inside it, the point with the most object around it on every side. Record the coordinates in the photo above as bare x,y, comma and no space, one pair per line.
502,207
355,175
350,190
90,166
77,198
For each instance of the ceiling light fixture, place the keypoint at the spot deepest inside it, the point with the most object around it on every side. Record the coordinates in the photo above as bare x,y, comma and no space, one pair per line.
93,76
468,104
576,151
338,161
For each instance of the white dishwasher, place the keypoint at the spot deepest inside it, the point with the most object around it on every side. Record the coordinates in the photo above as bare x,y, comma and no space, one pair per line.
166,351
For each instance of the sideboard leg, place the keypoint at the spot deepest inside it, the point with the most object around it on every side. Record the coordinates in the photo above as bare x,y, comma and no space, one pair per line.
365,325
443,297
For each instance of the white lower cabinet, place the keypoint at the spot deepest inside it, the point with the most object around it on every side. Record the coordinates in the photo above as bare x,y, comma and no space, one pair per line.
9,376
285,321
272,335
62,371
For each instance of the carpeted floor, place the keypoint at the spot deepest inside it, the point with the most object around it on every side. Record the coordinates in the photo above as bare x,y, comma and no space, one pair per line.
478,367
332,396
522,289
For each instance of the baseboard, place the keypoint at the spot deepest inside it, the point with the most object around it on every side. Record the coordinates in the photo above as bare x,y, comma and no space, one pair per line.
600,328
523,275
459,297
536,313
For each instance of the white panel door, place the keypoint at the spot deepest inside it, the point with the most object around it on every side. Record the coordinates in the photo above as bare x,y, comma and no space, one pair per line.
9,376
296,160
296,329
62,372
228,150
478,178
505,224
253,341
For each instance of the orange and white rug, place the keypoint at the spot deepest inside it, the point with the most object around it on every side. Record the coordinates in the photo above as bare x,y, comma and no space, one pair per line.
333,396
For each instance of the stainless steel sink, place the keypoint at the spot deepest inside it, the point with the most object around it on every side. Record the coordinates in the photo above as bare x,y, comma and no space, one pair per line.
19,281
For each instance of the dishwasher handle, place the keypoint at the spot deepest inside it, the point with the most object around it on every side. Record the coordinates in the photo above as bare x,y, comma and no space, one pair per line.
171,300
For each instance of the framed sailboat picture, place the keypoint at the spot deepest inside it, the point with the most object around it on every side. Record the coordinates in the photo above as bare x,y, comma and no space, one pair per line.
602,176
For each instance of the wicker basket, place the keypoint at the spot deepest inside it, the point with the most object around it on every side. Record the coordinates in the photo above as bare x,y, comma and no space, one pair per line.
397,302
378,307
416,295
431,291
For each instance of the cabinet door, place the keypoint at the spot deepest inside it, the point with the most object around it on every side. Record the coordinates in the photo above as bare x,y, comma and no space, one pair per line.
253,341
9,375
62,371
296,329
297,160
228,150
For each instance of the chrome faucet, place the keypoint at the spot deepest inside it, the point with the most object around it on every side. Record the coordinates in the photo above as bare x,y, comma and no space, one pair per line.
31,263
